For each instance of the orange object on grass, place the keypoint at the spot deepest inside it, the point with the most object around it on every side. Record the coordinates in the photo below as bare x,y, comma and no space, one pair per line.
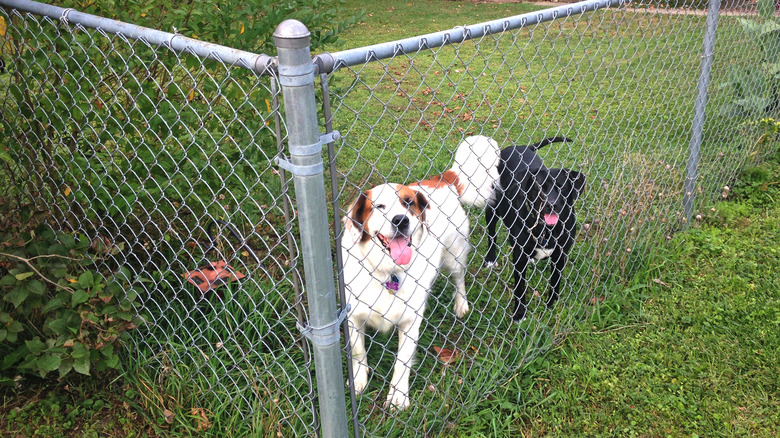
213,275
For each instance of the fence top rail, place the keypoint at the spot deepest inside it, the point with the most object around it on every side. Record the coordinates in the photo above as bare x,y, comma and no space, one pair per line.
328,62
258,63
325,62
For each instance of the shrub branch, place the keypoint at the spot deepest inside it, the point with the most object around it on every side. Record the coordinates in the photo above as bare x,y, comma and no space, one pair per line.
28,262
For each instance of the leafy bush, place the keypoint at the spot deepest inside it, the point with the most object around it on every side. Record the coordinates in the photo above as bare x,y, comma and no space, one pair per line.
59,312
120,138
755,87
234,23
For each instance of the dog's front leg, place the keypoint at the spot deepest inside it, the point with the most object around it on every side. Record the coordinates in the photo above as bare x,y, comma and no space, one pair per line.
359,365
398,397
461,302
491,259
520,261
459,276
558,262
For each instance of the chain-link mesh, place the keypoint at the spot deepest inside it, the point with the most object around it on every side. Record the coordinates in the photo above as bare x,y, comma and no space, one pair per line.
621,85
163,160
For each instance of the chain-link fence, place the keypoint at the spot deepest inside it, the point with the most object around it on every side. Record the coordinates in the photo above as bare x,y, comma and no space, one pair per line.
162,157
167,153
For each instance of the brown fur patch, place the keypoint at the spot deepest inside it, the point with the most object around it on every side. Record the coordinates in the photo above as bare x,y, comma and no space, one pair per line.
413,200
406,196
448,178
359,212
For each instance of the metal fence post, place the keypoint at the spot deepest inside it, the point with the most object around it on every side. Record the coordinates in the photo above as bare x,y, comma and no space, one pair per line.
296,75
700,108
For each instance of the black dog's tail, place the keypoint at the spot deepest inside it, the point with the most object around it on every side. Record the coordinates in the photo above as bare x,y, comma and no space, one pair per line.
546,141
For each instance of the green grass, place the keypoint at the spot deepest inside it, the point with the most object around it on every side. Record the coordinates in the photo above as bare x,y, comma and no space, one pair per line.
689,347
228,364
87,407
622,87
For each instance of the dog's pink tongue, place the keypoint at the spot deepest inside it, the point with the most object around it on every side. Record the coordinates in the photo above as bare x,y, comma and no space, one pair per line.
550,219
400,251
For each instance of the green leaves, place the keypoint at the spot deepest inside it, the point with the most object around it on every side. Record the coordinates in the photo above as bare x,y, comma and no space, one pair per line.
48,363
754,86
35,346
81,359
23,276
79,296
59,313
16,296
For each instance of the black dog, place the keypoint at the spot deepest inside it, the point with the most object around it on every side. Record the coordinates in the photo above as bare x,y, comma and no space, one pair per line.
537,205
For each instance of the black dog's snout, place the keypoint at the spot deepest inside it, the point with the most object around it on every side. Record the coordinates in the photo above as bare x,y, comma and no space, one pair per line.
401,222
552,203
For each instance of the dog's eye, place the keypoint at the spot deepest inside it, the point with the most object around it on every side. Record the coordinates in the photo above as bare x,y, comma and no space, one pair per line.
408,202
380,206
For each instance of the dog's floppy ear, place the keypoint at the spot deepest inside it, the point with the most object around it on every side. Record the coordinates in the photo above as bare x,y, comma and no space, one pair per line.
420,205
357,217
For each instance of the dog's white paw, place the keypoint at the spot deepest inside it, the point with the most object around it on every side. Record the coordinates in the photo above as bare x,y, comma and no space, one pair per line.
461,308
491,265
360,378
397,400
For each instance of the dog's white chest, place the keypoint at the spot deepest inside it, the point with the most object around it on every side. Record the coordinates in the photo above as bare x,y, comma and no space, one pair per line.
543,253
545,246
389,303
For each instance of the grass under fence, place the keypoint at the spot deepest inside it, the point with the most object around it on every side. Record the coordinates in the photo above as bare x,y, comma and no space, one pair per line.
688,347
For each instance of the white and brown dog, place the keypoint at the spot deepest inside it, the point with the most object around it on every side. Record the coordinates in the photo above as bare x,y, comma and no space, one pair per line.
397,238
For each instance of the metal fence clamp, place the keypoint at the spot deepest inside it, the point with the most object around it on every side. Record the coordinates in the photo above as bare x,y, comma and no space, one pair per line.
312,149
64,16
327,334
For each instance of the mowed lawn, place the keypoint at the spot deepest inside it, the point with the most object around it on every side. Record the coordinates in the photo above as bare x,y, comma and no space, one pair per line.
691,347
686,345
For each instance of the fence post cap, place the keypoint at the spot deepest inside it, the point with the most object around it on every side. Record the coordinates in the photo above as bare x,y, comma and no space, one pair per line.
291,34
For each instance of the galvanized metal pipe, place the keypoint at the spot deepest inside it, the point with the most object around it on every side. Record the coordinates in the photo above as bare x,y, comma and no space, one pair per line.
296,74
328,62
700,109
259,63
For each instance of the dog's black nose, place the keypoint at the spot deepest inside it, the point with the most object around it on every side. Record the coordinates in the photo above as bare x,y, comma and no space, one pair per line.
401,222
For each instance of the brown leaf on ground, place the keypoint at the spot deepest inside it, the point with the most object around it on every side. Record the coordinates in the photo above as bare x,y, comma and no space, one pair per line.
201,418
595,300
169,416
445,355
658,281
